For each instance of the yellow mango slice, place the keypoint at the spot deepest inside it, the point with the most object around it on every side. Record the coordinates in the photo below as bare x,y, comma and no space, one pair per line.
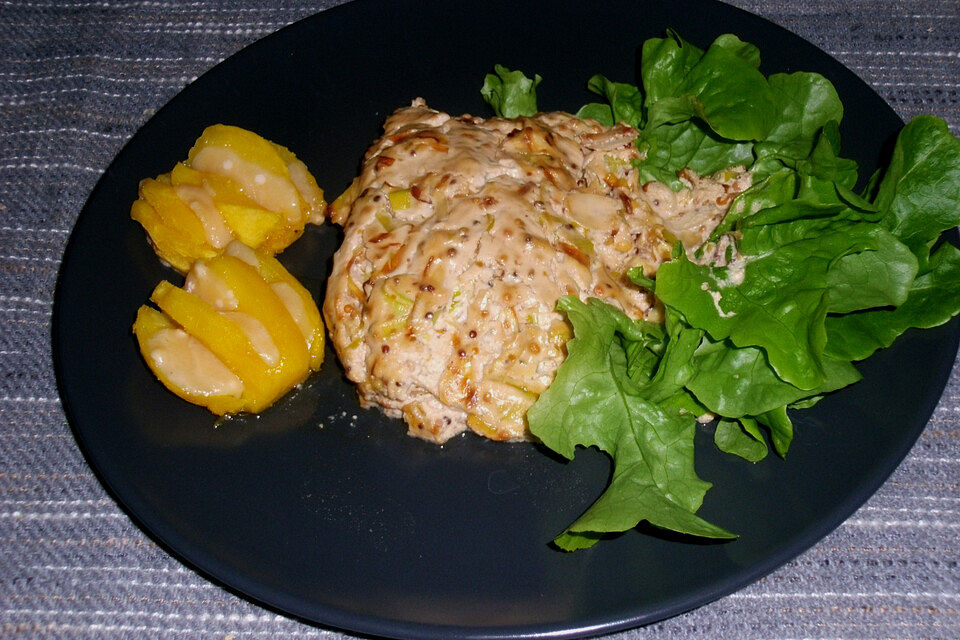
221,188
306,184
253,163
250,223
254,227
239,335
257,299
173,211
233,185
182,174
158,337
295,297
224,338
246,144
173,227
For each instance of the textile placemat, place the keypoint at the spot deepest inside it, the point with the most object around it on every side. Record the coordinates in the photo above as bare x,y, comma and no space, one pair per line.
77,78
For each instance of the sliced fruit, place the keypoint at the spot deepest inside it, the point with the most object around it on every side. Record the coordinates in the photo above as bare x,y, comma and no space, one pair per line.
240,334
234,185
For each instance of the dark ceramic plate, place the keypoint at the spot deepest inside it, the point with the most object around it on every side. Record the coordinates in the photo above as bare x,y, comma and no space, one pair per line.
330,513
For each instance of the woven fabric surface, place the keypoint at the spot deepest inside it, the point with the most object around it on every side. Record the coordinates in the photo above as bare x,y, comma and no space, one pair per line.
77,79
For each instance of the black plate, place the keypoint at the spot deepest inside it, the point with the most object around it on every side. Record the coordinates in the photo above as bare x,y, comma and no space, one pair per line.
329,512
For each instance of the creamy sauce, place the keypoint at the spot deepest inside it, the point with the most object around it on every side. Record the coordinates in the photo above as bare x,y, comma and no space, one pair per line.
716,303
244,253
213,290
214,227
272,192
593,210
258,335
294,305
310,193
189,365
210,288
692,213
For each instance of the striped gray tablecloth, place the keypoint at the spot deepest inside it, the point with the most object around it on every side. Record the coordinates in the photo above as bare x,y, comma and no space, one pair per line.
78,77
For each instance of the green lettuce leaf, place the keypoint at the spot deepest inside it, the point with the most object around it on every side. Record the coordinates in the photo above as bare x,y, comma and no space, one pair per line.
601,112
713,110
780,426
805,103
594,402
933,299
668,149
824,162
741,438
723,88
664,63
917,199
734,382
920,191
510,93
822,276
794,272
624,103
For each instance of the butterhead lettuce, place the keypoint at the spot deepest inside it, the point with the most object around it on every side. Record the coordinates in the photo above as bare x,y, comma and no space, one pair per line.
822,277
